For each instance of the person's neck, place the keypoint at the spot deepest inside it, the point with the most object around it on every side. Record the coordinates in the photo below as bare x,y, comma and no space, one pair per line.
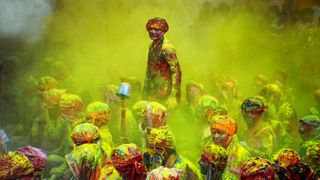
157,42
255,123
170,161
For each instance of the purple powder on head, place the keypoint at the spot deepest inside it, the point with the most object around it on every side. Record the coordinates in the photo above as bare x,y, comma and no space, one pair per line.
38,157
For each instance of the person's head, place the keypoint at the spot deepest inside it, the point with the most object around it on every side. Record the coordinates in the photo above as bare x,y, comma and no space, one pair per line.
286,163
70,105
272,93
127,159
309,127
280,78
138,111
163,173
52,96
86,160
85,133
223,128
194,90
313,155
47,82
16,166
252,109
59,70
213,161
156,115
37,157
257,169
229,88
260,81
157,27
207,107
110,96
98,113
161,142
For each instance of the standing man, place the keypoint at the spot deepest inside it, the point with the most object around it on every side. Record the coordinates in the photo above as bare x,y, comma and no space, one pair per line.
163,76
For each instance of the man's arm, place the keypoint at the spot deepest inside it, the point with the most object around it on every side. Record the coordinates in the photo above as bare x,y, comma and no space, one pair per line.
172,60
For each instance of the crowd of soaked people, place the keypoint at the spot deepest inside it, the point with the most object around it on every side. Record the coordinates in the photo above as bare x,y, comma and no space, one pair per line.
220,136
216,134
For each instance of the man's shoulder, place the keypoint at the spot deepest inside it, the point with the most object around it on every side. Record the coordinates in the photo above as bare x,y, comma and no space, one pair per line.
168,47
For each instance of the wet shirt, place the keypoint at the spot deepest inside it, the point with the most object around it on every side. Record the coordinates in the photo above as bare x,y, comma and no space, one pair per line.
261,140
163,71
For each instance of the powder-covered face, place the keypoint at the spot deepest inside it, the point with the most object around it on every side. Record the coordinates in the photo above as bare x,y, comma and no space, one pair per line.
101,118
307,129
251,116
193,94
220,137
155,33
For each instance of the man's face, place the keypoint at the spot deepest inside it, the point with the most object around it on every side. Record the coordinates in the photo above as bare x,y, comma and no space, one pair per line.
101,118
251,116
193,95
307,129
220,137
155,33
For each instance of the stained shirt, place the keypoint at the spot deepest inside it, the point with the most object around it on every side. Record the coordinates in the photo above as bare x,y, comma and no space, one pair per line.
163,72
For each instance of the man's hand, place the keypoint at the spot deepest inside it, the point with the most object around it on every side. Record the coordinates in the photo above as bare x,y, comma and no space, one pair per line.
172,102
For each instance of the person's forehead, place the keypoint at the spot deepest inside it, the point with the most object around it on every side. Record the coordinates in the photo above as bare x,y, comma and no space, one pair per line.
154,26
216,130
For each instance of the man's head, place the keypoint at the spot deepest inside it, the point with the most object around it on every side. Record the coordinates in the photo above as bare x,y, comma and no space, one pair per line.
98,113
213,161
286,163
138,112
52,96
16,166
70,105
223,128
127,159
194,90
161,142
313,155
272,93
163,173
157,27
156,114
229,88
85,133
286,158
256,168
207,107
86,160
37,157
259,81
47,82
252,109
309,127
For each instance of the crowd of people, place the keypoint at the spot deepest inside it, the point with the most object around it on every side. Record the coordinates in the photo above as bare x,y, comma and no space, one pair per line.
68,140
210,133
